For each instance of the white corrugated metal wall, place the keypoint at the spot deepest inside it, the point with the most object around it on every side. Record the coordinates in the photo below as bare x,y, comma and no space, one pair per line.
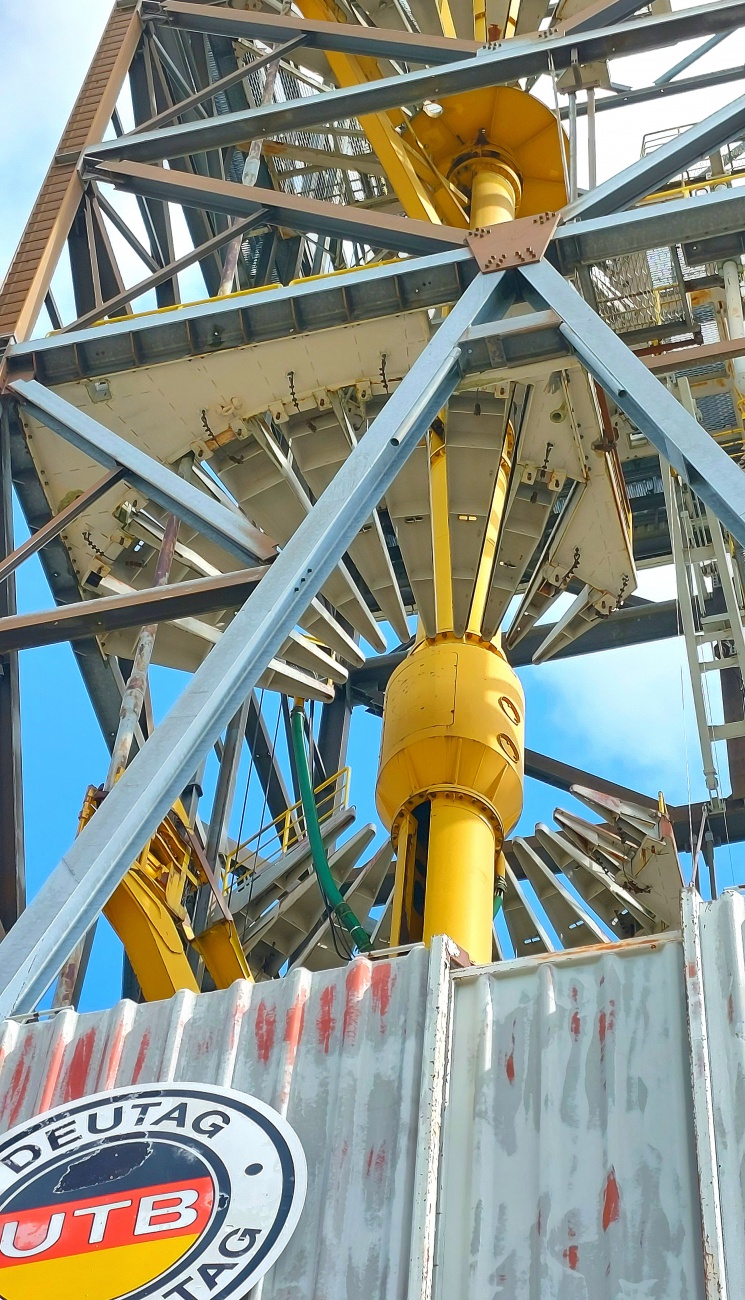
569,1166
579,1096
339,1053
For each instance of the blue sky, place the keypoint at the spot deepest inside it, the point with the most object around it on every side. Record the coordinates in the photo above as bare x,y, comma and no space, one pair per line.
626,715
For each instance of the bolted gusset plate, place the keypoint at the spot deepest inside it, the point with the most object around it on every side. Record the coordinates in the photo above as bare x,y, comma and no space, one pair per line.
514,243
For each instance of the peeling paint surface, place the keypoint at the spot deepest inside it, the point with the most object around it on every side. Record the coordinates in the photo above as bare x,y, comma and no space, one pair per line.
569,1168
339,1053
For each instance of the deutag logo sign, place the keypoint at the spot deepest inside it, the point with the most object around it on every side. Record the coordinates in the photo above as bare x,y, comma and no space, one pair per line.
177,1192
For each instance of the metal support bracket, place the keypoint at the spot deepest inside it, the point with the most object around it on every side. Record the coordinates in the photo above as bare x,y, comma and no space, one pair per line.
513,243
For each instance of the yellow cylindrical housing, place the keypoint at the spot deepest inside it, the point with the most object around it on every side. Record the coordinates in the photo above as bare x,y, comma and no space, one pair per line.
494,194
450,786
460,875
453,717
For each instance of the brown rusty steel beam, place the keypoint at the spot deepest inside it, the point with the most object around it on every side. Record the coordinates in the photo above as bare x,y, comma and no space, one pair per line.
12,852
59,522
88,618
30,274
681,358
401,234
166,272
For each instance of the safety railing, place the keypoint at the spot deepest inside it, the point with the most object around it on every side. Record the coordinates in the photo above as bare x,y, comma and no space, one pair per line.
276,838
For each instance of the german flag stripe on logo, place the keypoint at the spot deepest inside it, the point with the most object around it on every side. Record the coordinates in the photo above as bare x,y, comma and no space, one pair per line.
104,1222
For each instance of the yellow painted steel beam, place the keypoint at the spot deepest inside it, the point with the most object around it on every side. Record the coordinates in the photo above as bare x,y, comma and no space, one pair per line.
150,937
446,19
440,522
491,537
352,70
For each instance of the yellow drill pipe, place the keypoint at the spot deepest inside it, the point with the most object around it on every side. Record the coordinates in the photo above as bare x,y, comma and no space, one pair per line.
460,876
493,198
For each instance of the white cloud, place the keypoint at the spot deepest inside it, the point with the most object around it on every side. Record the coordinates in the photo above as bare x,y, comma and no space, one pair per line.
625,714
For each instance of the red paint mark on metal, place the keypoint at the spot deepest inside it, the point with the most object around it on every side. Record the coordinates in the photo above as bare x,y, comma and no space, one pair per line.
606,1025
692,971
357,983
382,987
611,1201
376,1162
730,1009
15,1095
266,1024
326,1022
76,1080
571,1255
294,1022
109,1067
509,1065
575,1024
141,1057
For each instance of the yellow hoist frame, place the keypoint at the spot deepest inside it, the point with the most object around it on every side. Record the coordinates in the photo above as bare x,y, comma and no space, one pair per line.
148,912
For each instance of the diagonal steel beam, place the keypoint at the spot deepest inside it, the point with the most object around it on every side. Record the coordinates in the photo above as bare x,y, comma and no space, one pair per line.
509,60
653,225
227,528
198,254
601,14
59,522
691,451
235,78
562,776
649,173
79,887
400,234
662,90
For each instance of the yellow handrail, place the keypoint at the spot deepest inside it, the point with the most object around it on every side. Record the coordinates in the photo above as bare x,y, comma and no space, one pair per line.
332,795
682,191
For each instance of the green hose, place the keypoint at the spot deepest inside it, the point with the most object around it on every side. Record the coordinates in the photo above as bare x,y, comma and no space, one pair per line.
329,887
498,901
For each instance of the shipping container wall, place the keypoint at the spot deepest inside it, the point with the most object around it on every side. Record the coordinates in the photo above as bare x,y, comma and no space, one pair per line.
569,1165
722,926
339,1053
